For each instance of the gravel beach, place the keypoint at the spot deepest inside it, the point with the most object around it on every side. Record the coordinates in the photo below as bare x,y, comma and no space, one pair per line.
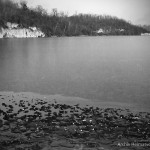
30,122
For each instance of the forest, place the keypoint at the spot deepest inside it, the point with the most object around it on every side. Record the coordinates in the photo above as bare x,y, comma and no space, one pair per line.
147,27
61,24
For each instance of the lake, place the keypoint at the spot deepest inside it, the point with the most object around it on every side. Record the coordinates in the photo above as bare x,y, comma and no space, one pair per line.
104,68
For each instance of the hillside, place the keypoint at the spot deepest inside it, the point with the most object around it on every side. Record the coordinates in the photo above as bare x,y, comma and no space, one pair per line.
60,24
147,27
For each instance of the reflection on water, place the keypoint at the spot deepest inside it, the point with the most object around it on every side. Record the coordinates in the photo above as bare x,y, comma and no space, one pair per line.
102,68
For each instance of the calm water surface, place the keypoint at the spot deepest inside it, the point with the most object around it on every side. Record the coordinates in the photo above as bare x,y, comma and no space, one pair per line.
107,68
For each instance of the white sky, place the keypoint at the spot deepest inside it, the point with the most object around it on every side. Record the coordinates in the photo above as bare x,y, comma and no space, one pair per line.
136,11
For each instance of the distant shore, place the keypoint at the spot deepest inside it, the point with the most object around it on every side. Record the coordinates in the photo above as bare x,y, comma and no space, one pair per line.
59,23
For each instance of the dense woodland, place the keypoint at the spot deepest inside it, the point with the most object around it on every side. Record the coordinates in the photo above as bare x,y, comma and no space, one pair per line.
60,24
147,27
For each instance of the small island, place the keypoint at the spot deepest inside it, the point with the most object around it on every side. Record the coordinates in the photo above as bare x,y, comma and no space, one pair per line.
18,20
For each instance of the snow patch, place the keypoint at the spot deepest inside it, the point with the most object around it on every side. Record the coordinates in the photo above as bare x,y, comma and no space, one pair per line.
13,31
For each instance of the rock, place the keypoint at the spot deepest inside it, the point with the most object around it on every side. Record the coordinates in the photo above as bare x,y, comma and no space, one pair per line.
63,123
55,144
33,128
15,130
1,123
100,148
82,134
4,128
93,135
72,129
105,141
124,149
61,133
32,125
78,147
62,143
46,148
91,144
13,125
90,149
22,129
20,32
66,144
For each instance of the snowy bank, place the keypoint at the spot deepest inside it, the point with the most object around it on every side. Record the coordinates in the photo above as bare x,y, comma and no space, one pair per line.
14,31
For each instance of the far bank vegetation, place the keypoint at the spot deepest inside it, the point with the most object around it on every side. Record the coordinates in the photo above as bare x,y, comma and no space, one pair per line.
61,24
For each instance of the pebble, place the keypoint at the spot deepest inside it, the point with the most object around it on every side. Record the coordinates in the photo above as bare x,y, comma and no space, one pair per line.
100,148
125,149
62,143
66,144
1,123
55,144
4,128
105,141
47,148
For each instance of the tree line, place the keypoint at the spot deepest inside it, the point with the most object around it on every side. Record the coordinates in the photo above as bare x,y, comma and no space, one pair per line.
60,24
147,27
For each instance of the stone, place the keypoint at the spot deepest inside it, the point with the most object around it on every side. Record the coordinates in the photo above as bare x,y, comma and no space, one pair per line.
66,144
72,129
20,33
91,144
4,128
62,143
86,148
124,149
1,123
105,141
46,148
100,148
55,144
15,130
22,129
78,147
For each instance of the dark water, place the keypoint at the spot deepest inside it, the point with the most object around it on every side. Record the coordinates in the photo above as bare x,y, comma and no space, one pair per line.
109,68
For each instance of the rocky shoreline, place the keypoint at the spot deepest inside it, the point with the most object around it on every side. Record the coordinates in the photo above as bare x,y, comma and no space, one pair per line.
40,124
13,30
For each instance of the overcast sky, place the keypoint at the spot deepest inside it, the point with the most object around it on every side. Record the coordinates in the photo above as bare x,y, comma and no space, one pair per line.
136,11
